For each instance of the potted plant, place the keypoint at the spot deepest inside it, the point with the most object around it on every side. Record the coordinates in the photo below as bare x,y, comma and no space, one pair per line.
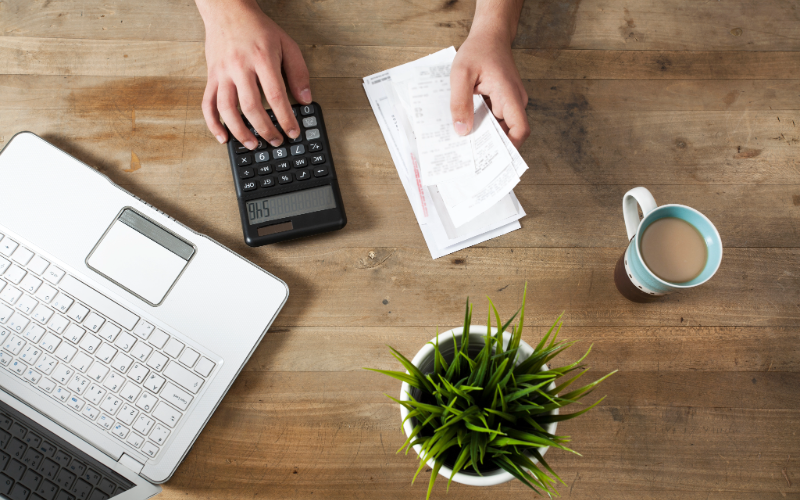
482,408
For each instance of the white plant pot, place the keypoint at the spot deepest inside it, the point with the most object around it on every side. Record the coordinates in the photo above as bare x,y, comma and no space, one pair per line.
424,361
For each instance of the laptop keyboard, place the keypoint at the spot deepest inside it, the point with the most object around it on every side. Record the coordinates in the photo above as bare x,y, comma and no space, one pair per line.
92,355
35,464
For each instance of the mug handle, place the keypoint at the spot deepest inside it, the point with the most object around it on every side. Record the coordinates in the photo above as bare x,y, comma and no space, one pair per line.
645,200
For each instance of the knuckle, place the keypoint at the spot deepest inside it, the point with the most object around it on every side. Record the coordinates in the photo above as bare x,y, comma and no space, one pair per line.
273,94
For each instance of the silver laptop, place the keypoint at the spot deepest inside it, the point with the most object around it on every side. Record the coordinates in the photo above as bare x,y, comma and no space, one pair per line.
120,331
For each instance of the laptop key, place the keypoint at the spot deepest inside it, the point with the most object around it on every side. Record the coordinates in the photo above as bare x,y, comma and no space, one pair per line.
4,458
63,495
76,467
49,469
31,479
32,458
19,492
81,489
4,439
16,448
98,495
62,459
15,469
47,490
5,484
106,486
65,479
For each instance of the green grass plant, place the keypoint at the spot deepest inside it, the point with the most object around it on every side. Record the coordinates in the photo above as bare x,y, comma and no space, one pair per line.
487,411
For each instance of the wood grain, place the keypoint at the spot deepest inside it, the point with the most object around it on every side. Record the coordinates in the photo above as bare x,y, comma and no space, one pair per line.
588,24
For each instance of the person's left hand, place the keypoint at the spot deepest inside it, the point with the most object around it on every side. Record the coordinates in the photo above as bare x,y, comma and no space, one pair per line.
484,65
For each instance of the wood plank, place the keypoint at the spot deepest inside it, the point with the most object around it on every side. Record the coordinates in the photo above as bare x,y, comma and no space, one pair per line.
574,146
663,349
60,92
576,24
752,288
62,56
641,450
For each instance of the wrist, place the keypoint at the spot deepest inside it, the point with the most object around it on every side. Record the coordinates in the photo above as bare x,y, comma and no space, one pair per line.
493,31
496,20
218,11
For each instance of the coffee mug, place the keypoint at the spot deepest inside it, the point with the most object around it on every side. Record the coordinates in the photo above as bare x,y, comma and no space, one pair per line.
633,278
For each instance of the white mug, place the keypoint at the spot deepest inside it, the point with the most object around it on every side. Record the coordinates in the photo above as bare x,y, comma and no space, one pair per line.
633,278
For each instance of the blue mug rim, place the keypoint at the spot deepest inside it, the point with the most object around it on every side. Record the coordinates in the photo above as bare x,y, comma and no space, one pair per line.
641,259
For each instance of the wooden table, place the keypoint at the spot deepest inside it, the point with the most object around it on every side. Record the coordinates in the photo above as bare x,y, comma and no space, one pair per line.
698,101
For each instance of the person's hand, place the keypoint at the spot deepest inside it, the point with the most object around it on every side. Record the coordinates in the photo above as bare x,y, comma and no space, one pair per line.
484,65
245,49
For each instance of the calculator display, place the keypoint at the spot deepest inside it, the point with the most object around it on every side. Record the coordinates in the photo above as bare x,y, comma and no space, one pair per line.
290,204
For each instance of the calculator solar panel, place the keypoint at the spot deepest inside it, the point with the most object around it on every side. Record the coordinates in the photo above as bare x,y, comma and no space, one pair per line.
289,191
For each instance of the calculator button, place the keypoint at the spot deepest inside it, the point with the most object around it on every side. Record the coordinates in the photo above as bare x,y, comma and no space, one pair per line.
300,163
240,148
262,144
285,178
249,186
246,173
317,159
282,166
265,170
279,153
320,172
294,110
297,139
312,134
314,147
244,160
310,122
307,110
303,175
268,182
297,150
262,156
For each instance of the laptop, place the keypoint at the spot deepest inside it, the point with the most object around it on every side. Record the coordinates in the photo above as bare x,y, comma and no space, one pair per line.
121,330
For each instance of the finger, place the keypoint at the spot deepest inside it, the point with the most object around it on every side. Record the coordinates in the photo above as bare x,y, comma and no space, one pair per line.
226,103
462,86
211,114
275,92
250,102
296,71
517,121
503,126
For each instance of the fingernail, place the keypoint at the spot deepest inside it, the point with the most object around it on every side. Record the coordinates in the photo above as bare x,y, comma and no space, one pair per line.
276,142
461,128
250,144
221,139
305,95
293,133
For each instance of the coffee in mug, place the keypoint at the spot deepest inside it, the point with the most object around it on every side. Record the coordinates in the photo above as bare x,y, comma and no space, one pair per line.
673,247
674,250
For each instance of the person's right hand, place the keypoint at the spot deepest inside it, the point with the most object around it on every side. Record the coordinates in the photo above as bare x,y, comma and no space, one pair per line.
245,49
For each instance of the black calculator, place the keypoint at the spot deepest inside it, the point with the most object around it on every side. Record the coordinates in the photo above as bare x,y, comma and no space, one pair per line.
289,191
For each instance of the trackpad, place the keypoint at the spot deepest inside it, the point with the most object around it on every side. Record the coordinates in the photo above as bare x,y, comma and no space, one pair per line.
141,256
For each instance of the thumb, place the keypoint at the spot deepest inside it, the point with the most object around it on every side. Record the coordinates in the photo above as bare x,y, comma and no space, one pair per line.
462,87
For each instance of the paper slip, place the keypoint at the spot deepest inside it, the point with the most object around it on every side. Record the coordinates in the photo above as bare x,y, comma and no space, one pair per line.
391,104
494,176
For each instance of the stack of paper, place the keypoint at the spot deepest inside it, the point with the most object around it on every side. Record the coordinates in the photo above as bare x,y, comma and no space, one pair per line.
460,187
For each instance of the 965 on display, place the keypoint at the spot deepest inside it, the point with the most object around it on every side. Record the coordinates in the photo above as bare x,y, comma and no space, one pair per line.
289,191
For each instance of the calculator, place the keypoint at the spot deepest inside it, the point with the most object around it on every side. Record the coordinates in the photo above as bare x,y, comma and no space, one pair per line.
289,191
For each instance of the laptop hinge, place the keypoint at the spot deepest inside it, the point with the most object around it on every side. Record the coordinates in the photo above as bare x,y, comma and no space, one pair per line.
130,463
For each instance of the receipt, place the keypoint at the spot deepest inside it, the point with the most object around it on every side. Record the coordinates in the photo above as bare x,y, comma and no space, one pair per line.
495,173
